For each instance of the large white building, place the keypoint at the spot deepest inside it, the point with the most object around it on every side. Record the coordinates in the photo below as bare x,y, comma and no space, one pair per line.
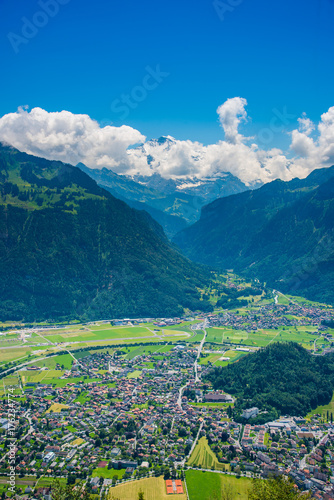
250,412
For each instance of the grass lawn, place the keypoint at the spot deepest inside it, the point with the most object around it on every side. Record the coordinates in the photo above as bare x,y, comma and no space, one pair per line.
153,489
77,442
134,374
222,406
205,485
71,428
82,398
205,457
108,473
56,408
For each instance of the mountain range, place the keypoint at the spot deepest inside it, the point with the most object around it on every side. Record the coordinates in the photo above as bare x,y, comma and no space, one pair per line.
281,233
174,203
69,249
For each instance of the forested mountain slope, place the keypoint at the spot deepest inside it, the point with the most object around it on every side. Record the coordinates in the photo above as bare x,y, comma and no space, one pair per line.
281,233
69,249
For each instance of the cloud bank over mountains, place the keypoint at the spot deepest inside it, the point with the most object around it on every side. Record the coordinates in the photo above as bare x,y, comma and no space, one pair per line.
74,138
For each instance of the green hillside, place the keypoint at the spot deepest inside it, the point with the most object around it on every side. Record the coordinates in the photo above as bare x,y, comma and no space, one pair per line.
284,376
69,249
281,233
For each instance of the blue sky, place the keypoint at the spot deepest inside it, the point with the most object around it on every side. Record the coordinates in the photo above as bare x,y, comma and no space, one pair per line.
278,55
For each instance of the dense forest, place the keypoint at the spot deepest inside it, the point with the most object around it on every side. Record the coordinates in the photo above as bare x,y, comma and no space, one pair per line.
69,249
281,233
284,376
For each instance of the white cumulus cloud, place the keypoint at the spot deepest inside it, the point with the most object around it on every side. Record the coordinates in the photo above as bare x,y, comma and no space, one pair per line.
68,137
231,114
77,138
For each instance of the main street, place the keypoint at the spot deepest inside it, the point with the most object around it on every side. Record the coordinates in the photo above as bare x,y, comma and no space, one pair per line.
199,326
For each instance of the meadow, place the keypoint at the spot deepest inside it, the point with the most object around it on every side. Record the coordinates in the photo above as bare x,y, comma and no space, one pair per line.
132,352
204,457
304,335
108,473
74,338
208,485
214,359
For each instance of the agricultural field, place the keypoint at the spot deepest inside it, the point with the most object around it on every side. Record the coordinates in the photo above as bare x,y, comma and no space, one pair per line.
209,485
204,457
211,358
64,360
214,359
197,337
11,380
132,352
304,335
17,353
36,377
84,336
153,489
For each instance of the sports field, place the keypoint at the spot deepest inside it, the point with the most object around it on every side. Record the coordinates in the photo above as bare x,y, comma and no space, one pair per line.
209,485
153,489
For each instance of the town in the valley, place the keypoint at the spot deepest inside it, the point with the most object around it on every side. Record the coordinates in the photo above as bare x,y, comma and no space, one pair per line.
114,413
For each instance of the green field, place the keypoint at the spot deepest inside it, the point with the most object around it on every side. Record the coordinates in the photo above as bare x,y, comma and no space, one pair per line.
37,352
322,410
153,489
204,457
134,374
87,335
31,481
108,473
65,360
209,485
304,335
214,359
